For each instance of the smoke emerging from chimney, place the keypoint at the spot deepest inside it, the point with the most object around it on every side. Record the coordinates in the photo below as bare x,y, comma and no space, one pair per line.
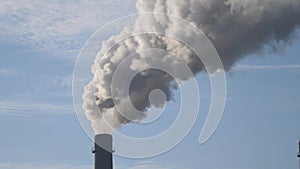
235,27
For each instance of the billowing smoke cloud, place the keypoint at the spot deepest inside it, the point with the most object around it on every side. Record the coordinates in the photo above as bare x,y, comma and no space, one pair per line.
235,27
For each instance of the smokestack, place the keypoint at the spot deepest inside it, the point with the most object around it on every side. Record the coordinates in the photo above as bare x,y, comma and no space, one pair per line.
298,155
103,151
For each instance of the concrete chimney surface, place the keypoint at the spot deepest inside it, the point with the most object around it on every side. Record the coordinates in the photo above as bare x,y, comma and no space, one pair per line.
103,151
298,150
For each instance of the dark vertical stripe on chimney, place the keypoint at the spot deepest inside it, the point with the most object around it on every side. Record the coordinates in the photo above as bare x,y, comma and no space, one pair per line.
103,151
299,149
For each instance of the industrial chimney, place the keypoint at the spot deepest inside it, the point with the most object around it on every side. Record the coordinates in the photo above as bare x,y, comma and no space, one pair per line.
298,155
103,151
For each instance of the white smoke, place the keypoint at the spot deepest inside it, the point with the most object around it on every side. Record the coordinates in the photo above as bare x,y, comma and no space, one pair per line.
235,27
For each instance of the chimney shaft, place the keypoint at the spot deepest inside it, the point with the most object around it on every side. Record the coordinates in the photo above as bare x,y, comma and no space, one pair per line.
103,151
298,150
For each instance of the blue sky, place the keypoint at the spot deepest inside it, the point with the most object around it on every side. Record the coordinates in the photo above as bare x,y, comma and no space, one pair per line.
39,127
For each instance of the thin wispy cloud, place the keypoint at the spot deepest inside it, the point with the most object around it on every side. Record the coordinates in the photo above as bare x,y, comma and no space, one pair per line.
264,67
145,166
35,84
44,166
7,72
58,26
153,165
12,108
29,94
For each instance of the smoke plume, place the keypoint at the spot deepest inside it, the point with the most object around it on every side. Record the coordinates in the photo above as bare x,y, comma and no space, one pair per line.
236,28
